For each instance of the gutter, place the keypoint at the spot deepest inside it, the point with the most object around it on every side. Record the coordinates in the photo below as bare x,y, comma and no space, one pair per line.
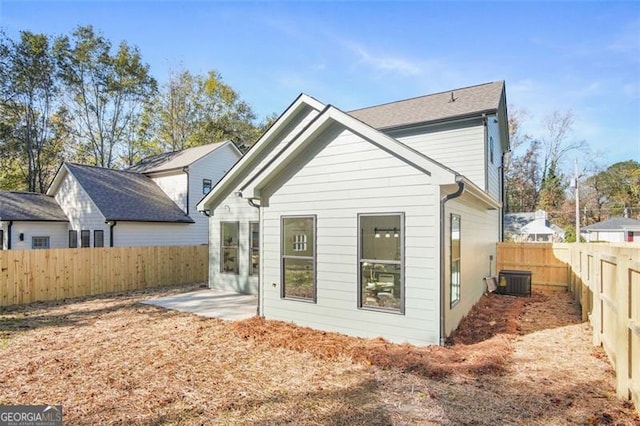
443,201
186,172
9,235
112,224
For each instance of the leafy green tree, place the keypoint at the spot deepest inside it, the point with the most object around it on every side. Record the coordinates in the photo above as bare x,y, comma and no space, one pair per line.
619,188
552,191
105,93
30,146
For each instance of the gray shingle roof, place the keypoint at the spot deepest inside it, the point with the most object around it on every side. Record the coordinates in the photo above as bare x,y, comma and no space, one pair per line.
127,196
614,224
484,98
174,160
30,206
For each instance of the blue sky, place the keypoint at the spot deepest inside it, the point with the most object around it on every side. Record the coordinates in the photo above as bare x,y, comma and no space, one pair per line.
583,56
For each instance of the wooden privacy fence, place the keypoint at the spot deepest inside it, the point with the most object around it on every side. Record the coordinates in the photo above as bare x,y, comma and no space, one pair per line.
38,275
548,272
605,280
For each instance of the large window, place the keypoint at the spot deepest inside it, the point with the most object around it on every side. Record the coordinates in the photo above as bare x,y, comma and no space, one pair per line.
73,239
85,238
381,256
39,242
298,257
98,238
229,250
254,248
455,259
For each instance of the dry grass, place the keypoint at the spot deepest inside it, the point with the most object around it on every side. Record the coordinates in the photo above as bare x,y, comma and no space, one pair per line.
111,360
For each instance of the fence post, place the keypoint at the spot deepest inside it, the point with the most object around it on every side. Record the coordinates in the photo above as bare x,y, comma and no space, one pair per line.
622,327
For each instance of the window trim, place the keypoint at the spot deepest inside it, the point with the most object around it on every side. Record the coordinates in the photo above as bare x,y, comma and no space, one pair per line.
44,238
401,263
222,247
314,258
74,239
251,249
458,285
87,233
206,182
95,239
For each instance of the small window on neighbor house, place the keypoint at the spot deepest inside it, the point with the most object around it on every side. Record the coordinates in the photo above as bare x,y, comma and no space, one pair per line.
206,186
381,254
1,239
254,247
39,242
491,149
98,238
298,257
229,247
455,259
73,239
85,237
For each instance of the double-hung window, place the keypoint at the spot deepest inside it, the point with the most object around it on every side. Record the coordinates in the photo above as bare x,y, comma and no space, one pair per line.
39,242
229,259
455,259
98,238
73,238
298,257
381,261
85,237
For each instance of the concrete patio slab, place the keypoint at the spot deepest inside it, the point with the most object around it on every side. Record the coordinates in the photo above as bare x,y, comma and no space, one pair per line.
225,305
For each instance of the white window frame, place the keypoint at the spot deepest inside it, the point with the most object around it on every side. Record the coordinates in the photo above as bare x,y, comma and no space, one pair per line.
297,247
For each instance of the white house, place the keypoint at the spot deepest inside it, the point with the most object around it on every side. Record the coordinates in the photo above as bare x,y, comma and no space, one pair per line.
378,222
614,230
531,227
31,221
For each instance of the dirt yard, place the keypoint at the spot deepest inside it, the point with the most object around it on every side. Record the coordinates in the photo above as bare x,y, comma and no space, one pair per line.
111,360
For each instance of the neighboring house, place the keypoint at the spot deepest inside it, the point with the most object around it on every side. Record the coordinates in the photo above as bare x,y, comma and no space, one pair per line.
531,227
31,221
152,203
614,230
378,222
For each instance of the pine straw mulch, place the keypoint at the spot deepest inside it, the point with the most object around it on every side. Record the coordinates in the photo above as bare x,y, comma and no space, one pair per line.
111,360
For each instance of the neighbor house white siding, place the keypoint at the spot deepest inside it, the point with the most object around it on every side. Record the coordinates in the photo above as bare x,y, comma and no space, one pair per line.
458,146
56,231
82,212
128,234
347,177
478,238
174,184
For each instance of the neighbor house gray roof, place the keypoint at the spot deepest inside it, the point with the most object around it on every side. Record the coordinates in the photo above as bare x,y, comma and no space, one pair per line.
30,206
127,196
464,102
174,160
614,224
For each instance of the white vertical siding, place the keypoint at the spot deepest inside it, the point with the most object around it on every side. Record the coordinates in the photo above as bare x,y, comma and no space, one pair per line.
56,231
460,147
232,209
478,238
82,212
347,177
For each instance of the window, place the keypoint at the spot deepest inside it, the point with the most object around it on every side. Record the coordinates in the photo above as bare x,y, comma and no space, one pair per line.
298,258
39,242
381,260
455,259
229,259
491,149
84,239
254,247
98,238
1,239
206,186
73,239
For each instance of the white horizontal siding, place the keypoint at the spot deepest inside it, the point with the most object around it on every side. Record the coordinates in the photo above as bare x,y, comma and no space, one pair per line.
460,148
128,234
175,186
347,177
479,230
56,231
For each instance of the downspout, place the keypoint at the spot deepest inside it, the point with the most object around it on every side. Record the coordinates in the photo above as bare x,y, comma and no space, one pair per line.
186,172
9,235
443,222
112,224
252,203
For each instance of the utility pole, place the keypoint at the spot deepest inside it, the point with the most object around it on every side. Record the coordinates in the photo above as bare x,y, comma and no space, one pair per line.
574,184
